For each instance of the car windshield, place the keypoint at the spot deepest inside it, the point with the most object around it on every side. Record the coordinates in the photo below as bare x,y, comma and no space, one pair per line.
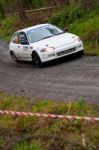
43,33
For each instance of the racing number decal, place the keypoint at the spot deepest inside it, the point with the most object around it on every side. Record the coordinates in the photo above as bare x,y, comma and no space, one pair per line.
25,48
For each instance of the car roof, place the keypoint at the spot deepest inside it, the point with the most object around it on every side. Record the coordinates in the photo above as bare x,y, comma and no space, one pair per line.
33,27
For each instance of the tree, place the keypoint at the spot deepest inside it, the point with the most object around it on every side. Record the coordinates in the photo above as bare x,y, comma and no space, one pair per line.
1,11
89,4
20,8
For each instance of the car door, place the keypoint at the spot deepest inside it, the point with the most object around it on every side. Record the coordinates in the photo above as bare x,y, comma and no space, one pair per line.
14,45
24,46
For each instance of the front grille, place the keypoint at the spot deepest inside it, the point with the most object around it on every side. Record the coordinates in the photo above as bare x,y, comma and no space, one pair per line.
66,51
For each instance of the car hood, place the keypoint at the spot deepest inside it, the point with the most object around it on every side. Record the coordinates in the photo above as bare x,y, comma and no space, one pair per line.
56,41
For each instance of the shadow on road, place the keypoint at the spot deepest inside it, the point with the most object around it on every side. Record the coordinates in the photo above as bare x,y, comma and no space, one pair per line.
62,60
56,62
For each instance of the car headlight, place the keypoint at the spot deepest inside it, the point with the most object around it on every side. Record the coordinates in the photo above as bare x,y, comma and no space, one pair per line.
77,39
47,49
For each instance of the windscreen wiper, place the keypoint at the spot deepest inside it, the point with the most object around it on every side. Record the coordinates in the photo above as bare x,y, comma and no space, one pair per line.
46,37
59,33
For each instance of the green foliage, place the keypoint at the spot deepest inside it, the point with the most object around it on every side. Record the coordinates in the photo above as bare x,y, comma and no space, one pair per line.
1,11
82,23
39,3
89,4
88,30
78,20
7,27
34,3
26,3
34,145
67,15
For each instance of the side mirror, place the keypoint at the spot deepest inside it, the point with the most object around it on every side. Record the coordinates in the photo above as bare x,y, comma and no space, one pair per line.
66,29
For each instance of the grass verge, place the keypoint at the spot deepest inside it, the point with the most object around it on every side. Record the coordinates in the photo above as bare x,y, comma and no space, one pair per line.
88,30
7,28
32,133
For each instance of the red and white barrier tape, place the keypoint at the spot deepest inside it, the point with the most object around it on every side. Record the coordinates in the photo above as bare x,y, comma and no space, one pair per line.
67,117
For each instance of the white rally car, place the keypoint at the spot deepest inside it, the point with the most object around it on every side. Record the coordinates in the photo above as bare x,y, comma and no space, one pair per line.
42,43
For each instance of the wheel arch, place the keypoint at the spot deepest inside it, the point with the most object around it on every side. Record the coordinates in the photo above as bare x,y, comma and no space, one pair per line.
35,52
36,59
11,51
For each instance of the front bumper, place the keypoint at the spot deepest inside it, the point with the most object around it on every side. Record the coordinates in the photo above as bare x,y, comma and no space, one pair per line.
61,52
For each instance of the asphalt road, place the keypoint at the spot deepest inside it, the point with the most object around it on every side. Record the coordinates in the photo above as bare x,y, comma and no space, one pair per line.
73,79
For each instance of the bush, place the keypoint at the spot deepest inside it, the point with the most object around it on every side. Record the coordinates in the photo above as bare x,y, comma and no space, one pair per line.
7,27
89,4
88,30
82,23
67,16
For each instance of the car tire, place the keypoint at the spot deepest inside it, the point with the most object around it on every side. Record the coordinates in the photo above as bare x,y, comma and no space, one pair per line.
14,58
36,60
81,53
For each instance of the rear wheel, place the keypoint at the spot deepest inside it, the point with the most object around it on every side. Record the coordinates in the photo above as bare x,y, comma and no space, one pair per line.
36,60
14,58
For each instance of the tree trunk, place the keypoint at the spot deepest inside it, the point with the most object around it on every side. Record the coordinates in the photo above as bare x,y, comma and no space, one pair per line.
1,11
89,4
21,11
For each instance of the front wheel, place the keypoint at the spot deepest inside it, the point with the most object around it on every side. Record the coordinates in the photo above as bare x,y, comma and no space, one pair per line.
36,60
81,53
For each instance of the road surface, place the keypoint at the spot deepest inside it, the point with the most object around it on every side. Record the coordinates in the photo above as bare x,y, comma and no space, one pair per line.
73,79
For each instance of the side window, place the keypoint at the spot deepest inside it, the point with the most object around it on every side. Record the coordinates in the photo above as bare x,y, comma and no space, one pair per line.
15,38
23,39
